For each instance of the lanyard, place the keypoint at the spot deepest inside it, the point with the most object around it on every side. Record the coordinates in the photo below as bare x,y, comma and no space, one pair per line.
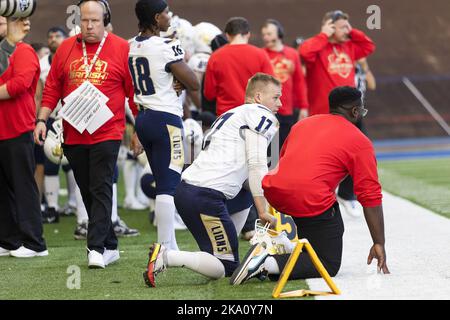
88,67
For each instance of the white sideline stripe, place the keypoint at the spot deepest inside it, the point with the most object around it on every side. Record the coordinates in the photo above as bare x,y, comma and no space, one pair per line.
418,256
426,104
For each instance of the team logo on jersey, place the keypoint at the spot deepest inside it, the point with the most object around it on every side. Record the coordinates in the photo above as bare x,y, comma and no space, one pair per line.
97,77
283,68
340,63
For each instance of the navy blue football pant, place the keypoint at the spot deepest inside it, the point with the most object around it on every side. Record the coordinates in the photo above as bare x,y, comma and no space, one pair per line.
205,213
20,212
161,135
93,167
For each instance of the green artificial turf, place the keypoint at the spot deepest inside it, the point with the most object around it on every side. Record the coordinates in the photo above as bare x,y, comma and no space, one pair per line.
425,182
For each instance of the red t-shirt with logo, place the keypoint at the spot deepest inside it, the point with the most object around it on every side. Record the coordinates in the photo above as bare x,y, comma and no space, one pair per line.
110,75
288,69
228,72
331,65
318,154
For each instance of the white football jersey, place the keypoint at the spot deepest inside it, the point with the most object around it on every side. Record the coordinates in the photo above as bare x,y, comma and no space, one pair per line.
149,62
222,165
45,69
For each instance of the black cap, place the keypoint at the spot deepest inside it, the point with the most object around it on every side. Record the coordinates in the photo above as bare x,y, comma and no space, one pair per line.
218,41
344,96
149,8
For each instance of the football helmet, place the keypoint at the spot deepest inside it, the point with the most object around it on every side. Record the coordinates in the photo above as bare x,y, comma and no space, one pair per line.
204,34
53,144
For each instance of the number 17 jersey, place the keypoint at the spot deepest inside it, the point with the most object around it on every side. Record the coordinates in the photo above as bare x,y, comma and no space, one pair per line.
149,62
222,165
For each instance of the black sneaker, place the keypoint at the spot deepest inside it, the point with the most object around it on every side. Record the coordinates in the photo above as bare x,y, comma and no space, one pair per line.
122,230
81,232
50,216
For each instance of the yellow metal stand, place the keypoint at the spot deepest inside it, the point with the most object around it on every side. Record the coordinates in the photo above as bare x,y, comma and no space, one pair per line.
277,291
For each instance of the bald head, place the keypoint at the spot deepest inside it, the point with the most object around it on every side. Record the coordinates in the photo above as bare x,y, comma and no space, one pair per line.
92,14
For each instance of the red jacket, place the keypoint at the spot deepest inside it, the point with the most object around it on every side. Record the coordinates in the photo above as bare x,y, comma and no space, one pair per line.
288,69
110,75
330,65
18,114
318,154
228,71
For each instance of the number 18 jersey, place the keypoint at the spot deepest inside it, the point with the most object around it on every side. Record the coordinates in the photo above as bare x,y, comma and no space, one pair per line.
149,62
222,165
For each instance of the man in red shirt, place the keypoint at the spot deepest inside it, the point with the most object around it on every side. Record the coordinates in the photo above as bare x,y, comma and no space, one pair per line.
326,148
92,156
330,58
288,70
231,66
21,232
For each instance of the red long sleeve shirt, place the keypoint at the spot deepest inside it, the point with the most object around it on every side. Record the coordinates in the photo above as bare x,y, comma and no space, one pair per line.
110,75
330,65
317,155
228,71
288,69
18,114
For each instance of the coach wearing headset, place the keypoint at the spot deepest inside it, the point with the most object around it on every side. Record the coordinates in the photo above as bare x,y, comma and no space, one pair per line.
288,70
101,59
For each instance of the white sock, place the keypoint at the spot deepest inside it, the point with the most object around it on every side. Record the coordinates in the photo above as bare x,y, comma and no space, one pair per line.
114,214
129,179
271,265
82,215
200,262
239,219
165,214
51,185
173,242
71,187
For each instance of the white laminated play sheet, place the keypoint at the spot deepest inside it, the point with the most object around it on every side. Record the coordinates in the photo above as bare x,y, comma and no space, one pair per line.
85,108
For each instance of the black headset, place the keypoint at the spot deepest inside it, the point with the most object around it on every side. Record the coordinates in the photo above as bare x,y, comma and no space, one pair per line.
277,24
107,14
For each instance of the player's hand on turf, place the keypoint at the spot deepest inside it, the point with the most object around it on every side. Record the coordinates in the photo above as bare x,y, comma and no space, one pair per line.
378,252
136,145
40,133
178,86
17,29
328,28
267,217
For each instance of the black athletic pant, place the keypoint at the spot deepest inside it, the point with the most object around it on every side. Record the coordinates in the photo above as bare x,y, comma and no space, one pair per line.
20,211
325,233
286,123
93,168
345,190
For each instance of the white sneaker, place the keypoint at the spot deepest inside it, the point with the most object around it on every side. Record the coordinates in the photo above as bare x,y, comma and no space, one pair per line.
134,205
351,207
95,260
110,256
4,252
23,252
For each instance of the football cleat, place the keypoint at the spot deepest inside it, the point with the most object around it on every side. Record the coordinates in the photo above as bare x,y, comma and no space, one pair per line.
155,264
351,207
275,242
50,215
252,266
81,231
122,230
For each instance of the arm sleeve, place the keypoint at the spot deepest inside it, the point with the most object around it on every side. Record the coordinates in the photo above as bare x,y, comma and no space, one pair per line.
210,84
25,66
301,92
6,50
362,44
311,47
363,169
53,90
256,156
